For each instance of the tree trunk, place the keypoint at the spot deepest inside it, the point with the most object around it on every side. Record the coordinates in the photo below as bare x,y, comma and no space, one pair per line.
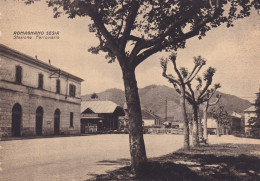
201,139
205,126
185,121
195,133
136,140
190,126
218,128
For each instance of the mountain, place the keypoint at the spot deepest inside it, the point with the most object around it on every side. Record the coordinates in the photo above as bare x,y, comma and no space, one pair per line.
115,95
153,98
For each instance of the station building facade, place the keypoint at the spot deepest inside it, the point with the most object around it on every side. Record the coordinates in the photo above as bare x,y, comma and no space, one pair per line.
36,98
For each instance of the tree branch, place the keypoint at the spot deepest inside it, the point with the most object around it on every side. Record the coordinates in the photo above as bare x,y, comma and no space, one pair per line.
165,43
190,88
214,103
103,30
194,68
173,59
171,27
192,77
175,85
205,89
134,38
122,22
129,24
190,100
171,79
156,44
188,95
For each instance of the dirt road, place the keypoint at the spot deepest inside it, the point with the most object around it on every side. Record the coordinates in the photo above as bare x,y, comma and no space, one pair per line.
74,158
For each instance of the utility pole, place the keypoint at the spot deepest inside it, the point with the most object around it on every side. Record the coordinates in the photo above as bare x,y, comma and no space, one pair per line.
166,109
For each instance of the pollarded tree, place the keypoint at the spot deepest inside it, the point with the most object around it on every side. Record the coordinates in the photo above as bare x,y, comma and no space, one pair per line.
180,84
183,86
206,105
130,31
197,96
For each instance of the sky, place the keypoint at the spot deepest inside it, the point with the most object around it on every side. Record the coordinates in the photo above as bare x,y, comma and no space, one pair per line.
234,52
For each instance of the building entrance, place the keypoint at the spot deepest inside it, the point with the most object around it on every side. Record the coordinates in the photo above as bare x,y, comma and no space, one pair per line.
39,121
16,120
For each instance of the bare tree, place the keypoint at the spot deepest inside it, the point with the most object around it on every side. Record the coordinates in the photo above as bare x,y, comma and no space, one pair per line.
180,84
197,96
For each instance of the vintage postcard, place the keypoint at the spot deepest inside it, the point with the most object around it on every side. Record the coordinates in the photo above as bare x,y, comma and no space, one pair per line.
88,88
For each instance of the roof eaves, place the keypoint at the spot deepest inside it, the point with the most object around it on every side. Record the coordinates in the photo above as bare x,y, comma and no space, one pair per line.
32,60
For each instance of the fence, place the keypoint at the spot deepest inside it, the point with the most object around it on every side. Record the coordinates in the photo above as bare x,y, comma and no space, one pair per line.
164,131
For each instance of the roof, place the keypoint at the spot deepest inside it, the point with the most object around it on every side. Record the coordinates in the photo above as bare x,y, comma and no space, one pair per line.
145,113
148,115
90,116
26,58
99,107
234,114
250,109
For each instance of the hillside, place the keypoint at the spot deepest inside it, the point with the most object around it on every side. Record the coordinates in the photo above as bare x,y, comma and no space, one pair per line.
153,98
115,95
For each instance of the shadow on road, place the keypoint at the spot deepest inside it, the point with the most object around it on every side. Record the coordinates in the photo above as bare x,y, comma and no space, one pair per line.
208,162
114,162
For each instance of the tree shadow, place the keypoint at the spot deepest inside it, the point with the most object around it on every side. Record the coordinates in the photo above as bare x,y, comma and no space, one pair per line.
226,162
242,167
153,170
122,161
221,162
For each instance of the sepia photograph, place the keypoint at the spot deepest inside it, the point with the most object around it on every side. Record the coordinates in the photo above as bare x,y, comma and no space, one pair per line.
138,90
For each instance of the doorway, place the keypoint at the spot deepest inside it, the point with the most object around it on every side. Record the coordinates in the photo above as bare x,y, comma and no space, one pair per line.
39,120
16,120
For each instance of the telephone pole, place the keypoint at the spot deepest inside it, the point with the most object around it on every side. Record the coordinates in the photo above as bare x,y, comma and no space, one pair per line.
166,109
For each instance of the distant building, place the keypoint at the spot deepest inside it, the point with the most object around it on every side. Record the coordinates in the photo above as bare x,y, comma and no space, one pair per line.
211,125
149,118
99,115
172,123
36,98
236,123
248,114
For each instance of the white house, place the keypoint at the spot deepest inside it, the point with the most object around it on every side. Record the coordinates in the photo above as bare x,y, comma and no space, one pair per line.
248,114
